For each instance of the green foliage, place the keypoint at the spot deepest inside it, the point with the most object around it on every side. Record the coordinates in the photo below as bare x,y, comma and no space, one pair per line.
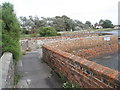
60,23
48,31
0,30
17,77
106,24
67,85
10,31
88,23
10,45
0,34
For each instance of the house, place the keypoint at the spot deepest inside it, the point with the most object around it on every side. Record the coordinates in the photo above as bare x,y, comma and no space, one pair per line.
116,26
98,26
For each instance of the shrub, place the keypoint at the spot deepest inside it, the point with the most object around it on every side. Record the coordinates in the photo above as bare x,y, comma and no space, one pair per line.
10,31
48,31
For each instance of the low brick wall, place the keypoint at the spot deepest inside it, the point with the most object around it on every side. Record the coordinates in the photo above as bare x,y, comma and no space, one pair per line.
6,71
89,47
79,70
34,43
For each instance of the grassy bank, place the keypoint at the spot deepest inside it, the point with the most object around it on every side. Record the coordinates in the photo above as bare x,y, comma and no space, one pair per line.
28,35
104,29
68,32
85,31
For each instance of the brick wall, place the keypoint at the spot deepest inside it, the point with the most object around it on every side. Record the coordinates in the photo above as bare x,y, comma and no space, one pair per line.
89,47
35,43
79,70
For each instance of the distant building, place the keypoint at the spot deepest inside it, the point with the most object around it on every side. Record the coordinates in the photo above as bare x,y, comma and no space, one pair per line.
98,26
116,26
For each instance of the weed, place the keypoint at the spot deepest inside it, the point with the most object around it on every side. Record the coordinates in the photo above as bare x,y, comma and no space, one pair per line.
17,77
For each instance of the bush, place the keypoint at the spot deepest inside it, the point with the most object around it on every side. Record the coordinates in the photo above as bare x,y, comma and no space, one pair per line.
10,45
48,31
10,31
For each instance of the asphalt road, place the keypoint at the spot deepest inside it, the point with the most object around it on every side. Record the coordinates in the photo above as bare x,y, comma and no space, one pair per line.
36,74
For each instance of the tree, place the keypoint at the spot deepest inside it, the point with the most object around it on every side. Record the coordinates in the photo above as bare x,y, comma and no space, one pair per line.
106,24
88,23
60,23
10,31
78,25
101,22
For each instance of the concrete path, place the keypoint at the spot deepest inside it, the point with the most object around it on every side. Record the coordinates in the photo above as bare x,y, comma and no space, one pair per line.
36,74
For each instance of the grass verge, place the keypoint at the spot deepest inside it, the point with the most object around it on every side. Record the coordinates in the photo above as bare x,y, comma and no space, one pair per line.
104,29
17,77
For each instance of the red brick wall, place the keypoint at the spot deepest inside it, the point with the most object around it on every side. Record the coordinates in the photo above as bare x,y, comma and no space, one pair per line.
79,70
96,51
57,37
89,47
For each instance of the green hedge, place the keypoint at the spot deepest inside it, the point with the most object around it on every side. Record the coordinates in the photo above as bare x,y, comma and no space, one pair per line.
48,31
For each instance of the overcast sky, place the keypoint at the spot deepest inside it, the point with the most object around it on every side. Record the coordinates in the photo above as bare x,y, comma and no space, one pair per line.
83,10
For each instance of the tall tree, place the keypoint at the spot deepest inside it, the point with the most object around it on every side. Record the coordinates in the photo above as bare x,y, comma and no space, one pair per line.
60,23
88,23
101,22
10,31
107,24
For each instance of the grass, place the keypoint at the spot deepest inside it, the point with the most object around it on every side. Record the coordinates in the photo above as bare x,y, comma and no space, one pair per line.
28,35
17,77
67,32
83,31
37,35
104,29
25,36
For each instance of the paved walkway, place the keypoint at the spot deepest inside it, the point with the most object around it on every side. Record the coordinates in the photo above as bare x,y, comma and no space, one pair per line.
36,74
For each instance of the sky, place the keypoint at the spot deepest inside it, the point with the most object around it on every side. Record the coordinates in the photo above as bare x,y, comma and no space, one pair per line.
83,10
119,13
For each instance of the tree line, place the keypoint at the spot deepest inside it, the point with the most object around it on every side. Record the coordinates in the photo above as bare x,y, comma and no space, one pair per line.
60,23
